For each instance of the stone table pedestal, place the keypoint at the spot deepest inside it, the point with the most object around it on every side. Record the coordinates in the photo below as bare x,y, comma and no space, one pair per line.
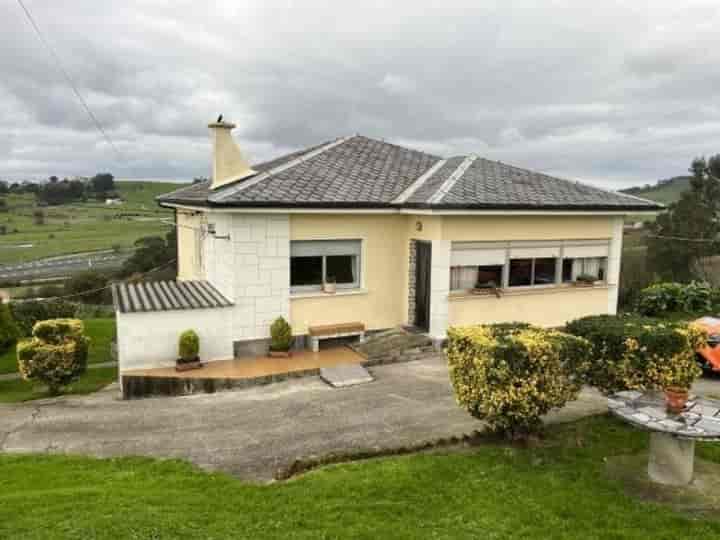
672,435
671,459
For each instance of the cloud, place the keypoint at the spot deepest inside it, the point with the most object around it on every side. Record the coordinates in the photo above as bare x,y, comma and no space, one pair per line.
624,96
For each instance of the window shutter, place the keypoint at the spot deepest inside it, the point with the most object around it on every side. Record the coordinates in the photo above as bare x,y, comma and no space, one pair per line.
318,248
579,252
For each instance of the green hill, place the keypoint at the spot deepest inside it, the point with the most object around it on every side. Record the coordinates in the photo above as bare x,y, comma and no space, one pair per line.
665,191
79,227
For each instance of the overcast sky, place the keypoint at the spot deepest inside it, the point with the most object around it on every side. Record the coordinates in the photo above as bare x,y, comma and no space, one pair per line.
615,93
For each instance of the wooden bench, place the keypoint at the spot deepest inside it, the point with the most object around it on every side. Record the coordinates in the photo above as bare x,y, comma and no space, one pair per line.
331,331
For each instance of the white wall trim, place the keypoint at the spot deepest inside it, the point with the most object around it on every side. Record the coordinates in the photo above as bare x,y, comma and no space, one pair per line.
411,211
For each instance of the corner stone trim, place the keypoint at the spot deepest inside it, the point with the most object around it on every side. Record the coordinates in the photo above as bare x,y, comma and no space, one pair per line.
412,263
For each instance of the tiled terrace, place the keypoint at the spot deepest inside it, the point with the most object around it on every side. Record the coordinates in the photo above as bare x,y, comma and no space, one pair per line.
236,373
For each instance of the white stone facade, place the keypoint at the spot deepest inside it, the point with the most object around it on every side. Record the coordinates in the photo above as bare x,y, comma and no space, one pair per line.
150,340
248,260
439,289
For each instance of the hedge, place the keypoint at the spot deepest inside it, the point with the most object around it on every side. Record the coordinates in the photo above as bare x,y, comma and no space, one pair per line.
638,353
511,374
662,298
26,314
9,331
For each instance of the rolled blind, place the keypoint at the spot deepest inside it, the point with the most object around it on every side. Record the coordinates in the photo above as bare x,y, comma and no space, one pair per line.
318,248
534,252
578,252
477,257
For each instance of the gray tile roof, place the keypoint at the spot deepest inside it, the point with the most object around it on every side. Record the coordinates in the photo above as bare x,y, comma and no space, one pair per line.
359,172
165,295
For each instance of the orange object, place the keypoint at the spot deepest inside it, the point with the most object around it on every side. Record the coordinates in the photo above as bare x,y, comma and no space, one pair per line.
711,353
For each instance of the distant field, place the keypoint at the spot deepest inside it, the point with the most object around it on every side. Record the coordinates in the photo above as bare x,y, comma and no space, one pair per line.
80,227
665,193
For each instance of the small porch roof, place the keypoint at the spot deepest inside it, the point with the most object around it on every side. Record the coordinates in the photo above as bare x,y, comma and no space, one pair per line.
152,296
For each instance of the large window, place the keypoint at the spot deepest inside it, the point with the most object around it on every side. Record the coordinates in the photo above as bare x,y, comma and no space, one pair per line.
527,272
313,262
475,277
584,266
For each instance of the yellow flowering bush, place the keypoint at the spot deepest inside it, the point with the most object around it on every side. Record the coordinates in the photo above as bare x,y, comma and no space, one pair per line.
55,355
638,353
511,375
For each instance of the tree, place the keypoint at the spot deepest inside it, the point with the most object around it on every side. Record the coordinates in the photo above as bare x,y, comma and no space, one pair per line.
85,282
102,183
4,188
688,233
151,252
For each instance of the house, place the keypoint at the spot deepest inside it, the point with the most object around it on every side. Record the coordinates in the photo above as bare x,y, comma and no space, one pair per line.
408,238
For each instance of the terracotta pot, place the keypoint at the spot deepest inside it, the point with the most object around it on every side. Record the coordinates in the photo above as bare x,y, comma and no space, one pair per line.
279,354
676,398
185,365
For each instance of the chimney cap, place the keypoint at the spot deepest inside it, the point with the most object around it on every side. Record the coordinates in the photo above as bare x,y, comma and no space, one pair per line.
222,125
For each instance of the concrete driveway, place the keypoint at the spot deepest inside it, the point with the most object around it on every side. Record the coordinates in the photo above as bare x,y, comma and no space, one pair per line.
252,433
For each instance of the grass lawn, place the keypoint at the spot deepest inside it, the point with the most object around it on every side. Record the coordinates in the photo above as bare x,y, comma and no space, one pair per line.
91,381
559,490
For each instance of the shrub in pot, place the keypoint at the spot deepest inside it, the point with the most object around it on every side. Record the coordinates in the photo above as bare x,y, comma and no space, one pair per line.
56,354
188,350
329,285
281,338
585,280
639,353
510,375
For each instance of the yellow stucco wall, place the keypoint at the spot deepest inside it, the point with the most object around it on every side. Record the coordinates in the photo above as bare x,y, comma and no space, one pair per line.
382,303
497,228
188,225
547,308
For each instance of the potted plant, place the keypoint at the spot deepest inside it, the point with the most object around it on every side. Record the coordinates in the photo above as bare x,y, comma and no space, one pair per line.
585,280
329,285
281,338
188,349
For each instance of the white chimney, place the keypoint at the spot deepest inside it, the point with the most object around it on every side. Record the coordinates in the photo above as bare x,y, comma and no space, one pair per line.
229,165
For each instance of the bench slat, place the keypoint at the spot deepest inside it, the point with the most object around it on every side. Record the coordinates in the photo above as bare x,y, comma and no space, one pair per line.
331,329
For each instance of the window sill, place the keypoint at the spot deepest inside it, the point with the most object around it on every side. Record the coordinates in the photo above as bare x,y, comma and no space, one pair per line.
320,294
521,291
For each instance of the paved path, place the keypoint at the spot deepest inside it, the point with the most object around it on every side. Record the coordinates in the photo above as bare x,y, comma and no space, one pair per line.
16,375
251,433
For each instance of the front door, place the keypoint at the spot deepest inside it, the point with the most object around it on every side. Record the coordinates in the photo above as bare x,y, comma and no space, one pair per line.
423,258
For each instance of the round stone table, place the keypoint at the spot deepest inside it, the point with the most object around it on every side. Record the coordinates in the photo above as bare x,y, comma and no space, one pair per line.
672,436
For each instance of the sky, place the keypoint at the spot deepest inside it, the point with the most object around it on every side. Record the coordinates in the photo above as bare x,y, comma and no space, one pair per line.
612,93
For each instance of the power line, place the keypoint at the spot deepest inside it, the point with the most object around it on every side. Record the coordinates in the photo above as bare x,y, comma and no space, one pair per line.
69,80
683,239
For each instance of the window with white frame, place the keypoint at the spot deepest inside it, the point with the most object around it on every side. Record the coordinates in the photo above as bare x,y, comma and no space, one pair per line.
595,267
526,264
475,265
314,262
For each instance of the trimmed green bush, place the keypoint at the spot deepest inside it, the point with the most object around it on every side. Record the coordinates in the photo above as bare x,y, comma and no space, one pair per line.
9,331
56,354
281,337
189,345
510,375
639,353
26,314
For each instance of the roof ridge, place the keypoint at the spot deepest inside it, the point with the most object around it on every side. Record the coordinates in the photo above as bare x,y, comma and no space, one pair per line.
448,184
419,181
237,187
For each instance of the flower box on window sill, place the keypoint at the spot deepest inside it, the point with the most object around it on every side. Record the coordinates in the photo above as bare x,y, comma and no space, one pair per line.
487,291
584,283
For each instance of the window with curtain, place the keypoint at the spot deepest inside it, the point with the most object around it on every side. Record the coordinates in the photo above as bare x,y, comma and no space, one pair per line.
313,262
591,266
475,277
